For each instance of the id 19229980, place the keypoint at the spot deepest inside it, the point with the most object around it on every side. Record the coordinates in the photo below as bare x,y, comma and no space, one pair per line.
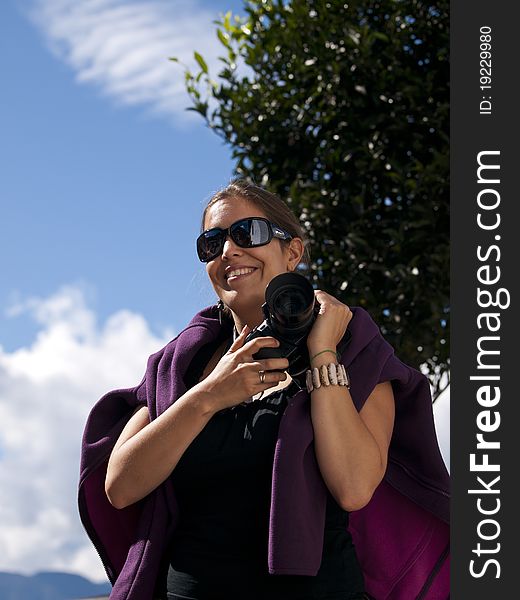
485,70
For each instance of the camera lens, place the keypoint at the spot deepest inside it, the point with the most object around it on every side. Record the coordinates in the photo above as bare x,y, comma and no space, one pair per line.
290,303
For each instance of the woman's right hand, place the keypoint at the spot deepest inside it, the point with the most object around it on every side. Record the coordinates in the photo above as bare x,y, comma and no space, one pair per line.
237,375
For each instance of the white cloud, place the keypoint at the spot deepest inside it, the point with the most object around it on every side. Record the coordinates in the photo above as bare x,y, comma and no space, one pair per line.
441,415
122,47
441,412
46,392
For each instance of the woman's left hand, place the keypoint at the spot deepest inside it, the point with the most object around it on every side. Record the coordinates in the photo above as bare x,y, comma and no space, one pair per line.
330,324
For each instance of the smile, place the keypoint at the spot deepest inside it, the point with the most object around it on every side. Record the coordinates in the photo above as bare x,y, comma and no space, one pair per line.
239,274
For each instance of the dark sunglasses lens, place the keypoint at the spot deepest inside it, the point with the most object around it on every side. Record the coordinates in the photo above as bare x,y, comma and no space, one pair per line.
247,233
209,245
250,233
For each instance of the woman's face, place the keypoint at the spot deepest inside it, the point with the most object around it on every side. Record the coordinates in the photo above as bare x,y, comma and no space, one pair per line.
245,293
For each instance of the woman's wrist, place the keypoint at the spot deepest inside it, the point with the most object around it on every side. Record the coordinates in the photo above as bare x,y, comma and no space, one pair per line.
205,399
322,354
329,354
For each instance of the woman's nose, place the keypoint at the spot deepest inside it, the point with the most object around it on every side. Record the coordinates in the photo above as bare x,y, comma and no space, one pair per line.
230,248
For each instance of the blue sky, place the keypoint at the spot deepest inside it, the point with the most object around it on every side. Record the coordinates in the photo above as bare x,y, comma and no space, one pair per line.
96,191
103,180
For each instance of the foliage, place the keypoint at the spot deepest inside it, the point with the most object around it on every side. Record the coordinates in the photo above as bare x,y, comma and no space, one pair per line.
342,108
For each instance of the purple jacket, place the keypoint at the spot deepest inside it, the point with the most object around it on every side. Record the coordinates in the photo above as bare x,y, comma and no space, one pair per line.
401,536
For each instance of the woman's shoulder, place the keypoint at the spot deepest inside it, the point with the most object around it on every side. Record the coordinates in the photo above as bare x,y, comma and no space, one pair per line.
203,328
364,337
361,318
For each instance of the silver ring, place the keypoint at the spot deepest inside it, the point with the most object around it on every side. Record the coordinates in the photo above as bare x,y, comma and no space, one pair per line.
262,376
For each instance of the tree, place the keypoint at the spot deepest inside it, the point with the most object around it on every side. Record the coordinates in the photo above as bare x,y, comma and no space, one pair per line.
342,108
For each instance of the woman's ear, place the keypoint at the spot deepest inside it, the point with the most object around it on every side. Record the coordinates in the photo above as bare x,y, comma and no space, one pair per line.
295,250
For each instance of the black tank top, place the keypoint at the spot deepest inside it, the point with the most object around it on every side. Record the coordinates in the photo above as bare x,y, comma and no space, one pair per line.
223,485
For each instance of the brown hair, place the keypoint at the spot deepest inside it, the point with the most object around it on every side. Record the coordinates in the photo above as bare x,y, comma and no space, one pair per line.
275,209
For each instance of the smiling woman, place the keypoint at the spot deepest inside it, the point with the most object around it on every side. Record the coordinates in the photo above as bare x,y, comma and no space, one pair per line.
194,487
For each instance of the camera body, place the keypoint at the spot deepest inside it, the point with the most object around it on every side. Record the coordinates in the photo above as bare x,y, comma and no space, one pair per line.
290,310
292,347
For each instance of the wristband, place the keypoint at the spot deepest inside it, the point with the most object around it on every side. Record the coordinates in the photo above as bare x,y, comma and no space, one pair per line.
326,350
331,374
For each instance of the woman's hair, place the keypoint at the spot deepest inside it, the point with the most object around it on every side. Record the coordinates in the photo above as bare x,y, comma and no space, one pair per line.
275,209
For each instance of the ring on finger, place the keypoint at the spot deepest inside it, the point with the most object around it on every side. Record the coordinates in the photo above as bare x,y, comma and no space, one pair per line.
262,376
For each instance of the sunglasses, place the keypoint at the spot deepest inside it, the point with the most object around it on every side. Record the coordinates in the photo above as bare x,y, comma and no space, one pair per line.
246,233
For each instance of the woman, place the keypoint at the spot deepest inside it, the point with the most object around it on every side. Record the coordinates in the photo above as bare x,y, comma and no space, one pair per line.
201,458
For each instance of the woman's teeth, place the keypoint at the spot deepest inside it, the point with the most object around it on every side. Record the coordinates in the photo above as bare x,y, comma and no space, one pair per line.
239,272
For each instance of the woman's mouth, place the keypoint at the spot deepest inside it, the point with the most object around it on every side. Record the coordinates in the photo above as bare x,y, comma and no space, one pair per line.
238,274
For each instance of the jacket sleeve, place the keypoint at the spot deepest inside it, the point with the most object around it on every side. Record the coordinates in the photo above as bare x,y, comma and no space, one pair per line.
110,530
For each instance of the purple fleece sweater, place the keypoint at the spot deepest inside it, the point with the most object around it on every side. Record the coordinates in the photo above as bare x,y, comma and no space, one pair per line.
401,536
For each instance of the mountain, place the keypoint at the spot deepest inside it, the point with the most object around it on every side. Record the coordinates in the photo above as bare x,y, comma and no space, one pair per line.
49,586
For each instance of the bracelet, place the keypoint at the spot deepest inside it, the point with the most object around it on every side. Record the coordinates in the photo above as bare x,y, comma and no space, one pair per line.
326,350
331,374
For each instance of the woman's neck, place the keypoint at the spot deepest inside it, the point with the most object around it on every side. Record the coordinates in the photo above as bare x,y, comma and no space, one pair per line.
252,320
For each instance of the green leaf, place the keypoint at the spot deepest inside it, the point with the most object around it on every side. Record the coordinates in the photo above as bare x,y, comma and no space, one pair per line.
201,61
227,21
380,36
223,37
201,108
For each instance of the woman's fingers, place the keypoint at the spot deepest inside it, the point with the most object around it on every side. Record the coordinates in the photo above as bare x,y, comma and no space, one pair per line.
268,378
243,353
253,345
238,375
271,364
239,342
331,322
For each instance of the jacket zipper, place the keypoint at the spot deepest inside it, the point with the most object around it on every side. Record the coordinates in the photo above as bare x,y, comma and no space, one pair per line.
109,570
434,572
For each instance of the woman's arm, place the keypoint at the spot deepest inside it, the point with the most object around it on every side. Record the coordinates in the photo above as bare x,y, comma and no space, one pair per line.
147,452
352,448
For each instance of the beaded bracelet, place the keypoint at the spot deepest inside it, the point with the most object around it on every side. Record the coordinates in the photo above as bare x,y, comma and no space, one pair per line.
331,374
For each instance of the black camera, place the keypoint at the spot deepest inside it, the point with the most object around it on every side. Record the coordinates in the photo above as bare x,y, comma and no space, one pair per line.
290,310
